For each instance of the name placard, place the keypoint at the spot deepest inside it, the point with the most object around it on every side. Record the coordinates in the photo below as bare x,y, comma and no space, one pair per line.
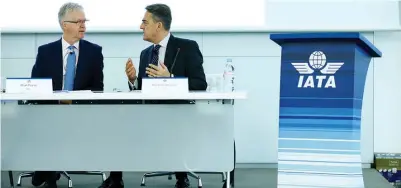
164,85
29,85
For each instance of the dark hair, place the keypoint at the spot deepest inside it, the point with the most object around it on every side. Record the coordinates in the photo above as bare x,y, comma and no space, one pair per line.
160,13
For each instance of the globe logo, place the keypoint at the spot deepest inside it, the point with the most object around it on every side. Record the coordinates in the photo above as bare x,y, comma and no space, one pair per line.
317,63
317,60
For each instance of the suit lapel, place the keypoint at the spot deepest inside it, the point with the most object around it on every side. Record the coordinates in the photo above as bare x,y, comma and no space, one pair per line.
171,51
58,66
145,62
81,62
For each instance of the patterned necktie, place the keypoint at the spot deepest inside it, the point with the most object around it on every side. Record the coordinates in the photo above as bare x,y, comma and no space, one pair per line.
70,72
155,55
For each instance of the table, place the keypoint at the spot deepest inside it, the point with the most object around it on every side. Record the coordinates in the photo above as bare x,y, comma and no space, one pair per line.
118,137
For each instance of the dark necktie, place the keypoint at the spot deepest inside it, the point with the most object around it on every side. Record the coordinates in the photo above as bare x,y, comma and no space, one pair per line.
155,55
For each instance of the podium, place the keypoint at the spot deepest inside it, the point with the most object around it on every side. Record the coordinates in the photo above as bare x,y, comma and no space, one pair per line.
321,92
196,137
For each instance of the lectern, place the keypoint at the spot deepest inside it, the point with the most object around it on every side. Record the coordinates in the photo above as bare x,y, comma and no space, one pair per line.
321,91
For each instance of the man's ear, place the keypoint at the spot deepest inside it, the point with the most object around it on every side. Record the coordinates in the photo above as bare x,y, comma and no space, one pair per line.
159,25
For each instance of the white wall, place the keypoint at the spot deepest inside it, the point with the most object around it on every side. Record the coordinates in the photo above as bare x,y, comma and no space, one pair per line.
387,93
257,61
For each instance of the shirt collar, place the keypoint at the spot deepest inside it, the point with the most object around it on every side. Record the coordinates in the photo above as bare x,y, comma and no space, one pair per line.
164,42
66,44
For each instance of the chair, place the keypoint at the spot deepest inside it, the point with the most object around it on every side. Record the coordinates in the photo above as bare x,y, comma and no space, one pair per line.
169,174
63,173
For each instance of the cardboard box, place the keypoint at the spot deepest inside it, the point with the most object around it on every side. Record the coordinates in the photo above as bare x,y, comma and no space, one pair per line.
389,166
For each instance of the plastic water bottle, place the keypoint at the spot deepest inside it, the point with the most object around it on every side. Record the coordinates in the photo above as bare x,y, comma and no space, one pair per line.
228,77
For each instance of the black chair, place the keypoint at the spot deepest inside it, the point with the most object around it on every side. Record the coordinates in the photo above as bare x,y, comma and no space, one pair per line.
169,174
191,174
63,173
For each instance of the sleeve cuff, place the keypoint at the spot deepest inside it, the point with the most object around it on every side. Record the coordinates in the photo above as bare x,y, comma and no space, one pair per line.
133,85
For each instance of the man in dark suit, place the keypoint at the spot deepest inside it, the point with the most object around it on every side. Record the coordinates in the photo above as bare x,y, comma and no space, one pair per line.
168,56
72,63
157,60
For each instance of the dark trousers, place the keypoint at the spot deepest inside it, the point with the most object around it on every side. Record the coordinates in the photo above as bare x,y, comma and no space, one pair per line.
118,175
44,176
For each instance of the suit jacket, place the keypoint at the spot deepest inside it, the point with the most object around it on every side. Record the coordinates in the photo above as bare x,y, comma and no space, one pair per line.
188,63
89,70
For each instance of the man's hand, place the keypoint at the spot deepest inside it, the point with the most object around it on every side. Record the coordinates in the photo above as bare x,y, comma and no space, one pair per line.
155,71
130,70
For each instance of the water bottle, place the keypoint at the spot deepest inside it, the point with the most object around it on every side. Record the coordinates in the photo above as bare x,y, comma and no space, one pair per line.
228,77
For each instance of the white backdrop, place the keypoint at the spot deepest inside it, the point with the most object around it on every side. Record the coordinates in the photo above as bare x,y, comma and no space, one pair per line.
211,15
333,15
123,14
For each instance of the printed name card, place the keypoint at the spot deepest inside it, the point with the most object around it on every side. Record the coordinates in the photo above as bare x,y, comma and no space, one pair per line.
29,85
164,85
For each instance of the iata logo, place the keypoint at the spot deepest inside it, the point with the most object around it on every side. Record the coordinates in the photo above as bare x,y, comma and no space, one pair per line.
317,62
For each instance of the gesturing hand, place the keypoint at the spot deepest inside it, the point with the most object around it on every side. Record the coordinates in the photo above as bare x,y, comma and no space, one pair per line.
130,70
156,71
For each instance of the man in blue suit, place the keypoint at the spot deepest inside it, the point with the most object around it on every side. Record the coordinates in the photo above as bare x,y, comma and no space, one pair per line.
72,63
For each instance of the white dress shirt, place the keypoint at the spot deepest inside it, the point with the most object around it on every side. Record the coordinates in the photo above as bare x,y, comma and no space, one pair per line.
66,51
163,48
162,55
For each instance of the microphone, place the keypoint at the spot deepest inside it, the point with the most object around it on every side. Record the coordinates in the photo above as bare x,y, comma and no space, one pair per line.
175,58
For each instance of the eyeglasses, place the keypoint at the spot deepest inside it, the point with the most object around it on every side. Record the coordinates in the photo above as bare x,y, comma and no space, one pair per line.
80,22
